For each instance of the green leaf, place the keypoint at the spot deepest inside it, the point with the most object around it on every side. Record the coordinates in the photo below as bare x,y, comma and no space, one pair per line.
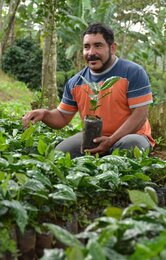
3,144
5,184
113,212
135,228
34,185
53,254
19,212
51,155
87,4
109,82
139,197
95,87
149,248
63,235
14,133
142,176
93,102
3,162
29,163
137,152
115,255
27,133
64,193
2,176
41,147
70,51
96,251
131,209
115,160
127,177
152,194
21,178
36,188
87,82
40,177
57,171
107,177
75,253
75,178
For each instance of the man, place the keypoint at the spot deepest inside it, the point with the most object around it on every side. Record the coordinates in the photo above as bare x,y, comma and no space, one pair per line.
124,111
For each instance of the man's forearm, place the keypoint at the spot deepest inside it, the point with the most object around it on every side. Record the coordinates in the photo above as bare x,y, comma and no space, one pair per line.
55,119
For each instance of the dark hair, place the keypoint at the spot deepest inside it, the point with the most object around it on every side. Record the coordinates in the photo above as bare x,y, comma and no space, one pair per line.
106,31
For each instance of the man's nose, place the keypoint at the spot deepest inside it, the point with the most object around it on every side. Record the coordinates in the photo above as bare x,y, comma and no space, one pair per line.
92,50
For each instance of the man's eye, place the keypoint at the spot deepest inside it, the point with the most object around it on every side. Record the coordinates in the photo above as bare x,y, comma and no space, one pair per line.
86,47
98,45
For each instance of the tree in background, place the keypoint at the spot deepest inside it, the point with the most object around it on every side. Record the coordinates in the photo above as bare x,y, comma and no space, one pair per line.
6,23
139,28
23,60
49,86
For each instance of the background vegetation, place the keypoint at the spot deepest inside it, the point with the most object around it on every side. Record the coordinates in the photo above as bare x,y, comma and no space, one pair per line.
139,32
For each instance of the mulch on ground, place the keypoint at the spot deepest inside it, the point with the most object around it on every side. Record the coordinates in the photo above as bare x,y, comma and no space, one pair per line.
159,152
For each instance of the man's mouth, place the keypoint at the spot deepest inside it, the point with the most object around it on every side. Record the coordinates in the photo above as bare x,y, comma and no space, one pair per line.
92,63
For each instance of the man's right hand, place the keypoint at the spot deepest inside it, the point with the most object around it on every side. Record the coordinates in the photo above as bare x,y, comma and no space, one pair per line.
33,116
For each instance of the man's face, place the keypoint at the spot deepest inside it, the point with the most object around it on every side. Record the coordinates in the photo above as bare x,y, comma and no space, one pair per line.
96,52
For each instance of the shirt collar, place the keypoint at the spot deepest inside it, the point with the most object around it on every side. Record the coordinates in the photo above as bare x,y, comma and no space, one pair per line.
105,71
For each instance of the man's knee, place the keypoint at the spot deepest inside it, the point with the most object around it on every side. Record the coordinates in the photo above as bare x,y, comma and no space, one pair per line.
131,141
72,145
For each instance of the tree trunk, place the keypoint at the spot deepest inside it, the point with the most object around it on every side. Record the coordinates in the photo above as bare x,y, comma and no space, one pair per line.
155,61
6,25
1,6
11,37
49,86
164,62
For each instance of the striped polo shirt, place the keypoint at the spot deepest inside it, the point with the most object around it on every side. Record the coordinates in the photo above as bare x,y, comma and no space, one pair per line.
131,91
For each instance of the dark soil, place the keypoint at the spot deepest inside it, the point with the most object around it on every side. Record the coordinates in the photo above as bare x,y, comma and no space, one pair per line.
159,152
92,129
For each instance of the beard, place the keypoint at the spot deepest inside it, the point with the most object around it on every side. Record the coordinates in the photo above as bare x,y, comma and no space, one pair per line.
105,65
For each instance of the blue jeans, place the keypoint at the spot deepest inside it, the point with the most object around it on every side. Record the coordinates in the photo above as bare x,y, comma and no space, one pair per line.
73,143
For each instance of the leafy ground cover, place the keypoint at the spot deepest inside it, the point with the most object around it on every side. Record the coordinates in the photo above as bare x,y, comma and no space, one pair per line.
40,185
135,232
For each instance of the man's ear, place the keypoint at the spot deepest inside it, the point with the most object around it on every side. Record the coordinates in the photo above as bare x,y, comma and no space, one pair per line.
113,48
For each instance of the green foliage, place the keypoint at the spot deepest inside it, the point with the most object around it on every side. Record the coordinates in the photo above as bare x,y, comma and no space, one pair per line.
62,78
63,235
7,243
157,79
18,211
23,60
63,64
13,108
15,98
37,182
139,230
96,89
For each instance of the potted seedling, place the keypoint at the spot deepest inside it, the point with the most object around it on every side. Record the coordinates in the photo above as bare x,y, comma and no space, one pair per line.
92,123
